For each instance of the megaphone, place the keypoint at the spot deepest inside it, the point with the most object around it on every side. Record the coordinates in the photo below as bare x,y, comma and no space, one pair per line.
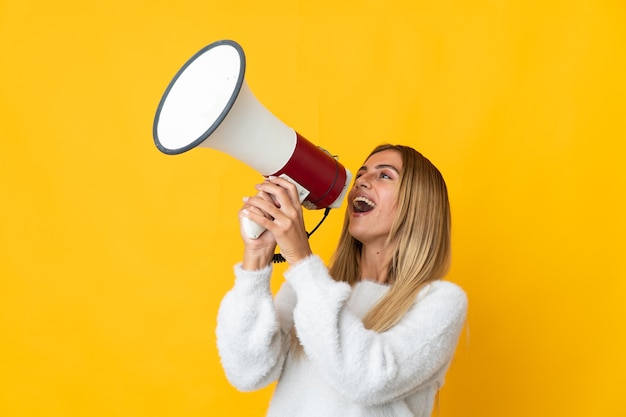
209,104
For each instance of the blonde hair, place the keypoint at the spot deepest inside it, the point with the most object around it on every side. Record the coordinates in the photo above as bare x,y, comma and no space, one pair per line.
420,237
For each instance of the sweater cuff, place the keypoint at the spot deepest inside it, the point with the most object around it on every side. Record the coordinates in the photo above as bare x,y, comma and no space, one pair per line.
252,281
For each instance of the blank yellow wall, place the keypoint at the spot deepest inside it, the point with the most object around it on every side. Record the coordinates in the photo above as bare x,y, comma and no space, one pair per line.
114,257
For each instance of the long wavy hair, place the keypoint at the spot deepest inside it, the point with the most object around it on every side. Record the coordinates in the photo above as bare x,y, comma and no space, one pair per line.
419,236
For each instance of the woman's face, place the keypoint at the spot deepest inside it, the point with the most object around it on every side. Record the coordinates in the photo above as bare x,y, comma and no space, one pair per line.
372,201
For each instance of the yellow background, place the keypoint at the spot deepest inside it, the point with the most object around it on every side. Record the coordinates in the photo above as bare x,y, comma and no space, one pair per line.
114,257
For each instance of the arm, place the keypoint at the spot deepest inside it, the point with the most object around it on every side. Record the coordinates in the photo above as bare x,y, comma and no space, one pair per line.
252,333
366,366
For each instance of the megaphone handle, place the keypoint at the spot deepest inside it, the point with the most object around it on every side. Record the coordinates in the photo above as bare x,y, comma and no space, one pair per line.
252,229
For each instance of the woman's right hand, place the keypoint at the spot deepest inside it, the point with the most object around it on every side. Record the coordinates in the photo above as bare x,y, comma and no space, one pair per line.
259,252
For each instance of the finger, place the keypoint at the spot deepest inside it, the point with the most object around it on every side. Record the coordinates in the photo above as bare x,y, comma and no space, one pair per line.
263,206
252,207
259,218
257,211
291,188
266,196
283,191
279,219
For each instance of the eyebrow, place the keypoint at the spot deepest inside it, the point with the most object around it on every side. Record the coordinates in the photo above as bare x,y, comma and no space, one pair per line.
381,166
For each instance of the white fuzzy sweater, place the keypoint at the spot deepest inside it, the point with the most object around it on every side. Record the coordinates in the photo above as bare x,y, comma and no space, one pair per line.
347,370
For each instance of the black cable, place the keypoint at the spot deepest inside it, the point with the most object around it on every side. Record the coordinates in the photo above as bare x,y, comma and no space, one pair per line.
278,258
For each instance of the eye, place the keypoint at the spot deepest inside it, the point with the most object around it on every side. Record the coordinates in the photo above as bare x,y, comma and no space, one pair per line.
384,175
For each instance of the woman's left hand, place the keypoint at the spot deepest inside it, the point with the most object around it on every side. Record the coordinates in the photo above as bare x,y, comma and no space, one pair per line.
287,222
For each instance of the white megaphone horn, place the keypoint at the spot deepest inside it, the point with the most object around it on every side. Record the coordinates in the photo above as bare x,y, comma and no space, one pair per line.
208,104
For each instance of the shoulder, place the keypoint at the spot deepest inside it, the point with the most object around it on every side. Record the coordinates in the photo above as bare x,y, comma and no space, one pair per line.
443,298
436,317
447,289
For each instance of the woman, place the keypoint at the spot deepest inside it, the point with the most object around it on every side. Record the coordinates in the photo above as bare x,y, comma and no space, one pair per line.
374,334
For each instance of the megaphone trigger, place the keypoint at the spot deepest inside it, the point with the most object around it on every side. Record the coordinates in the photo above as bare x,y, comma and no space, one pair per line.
303,193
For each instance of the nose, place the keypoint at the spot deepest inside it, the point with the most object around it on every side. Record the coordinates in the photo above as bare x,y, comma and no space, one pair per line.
362,182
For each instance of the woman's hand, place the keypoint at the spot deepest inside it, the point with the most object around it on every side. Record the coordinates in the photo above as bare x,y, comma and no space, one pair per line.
259,252
277,208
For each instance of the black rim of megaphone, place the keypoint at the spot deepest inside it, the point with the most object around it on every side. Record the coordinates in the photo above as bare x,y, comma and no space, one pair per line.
222,116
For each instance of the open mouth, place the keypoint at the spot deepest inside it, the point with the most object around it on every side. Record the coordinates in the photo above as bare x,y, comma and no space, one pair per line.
363,205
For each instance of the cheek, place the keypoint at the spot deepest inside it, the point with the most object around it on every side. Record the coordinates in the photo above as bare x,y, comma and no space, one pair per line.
392,199
391,213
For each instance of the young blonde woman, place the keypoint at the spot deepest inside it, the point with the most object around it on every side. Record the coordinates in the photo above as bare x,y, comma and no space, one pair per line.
374,334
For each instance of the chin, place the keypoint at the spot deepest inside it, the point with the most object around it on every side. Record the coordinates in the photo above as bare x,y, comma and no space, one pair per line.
356,233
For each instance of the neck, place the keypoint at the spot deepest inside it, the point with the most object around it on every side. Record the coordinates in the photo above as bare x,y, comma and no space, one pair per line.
375,263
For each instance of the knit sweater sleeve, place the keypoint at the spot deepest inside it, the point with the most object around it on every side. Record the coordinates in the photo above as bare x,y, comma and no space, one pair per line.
366,366
253,330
